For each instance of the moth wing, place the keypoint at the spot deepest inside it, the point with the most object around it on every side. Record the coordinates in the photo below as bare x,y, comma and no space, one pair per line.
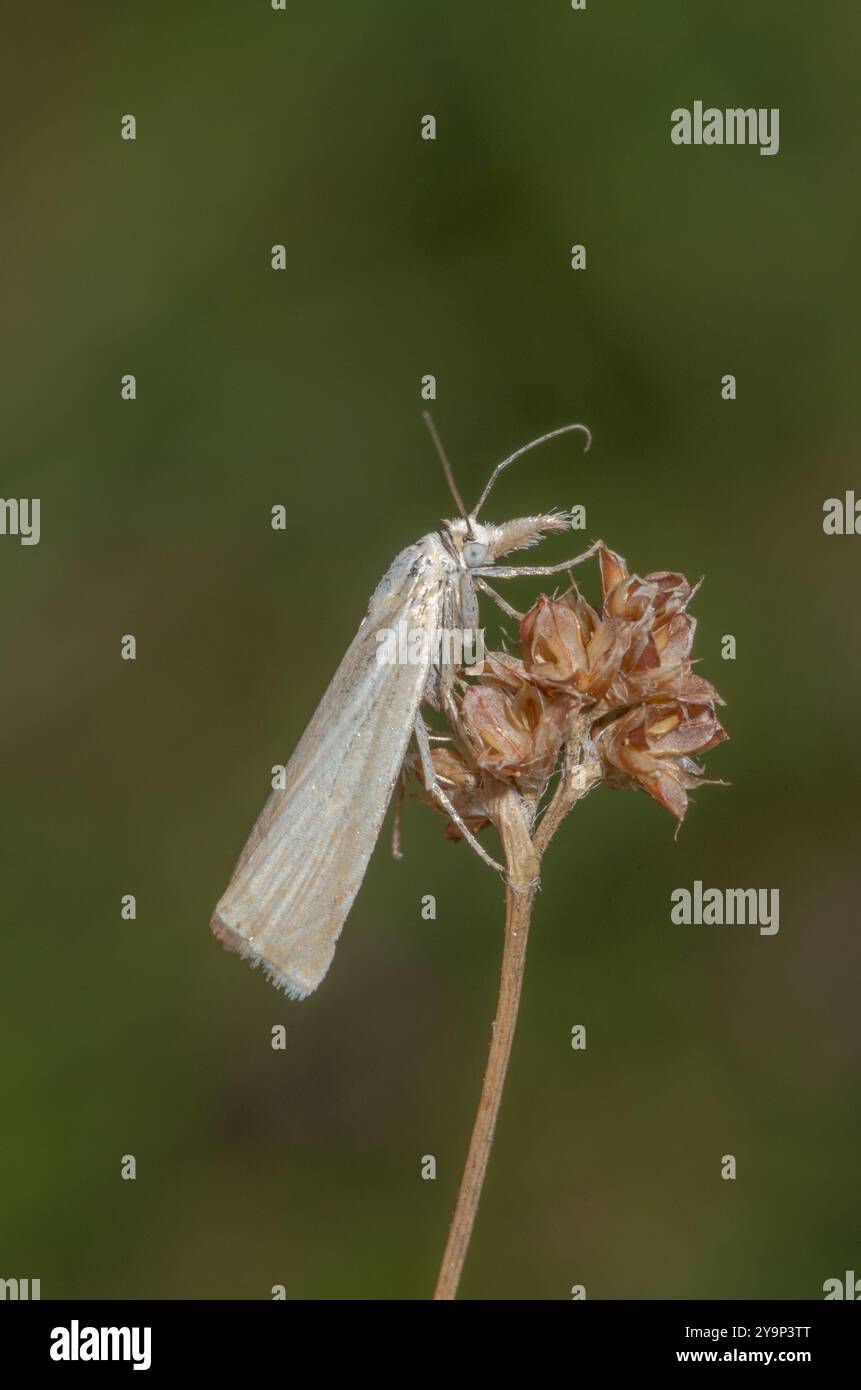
306,856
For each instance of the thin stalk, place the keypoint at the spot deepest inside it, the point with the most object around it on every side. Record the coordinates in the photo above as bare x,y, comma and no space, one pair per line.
519,897
512,815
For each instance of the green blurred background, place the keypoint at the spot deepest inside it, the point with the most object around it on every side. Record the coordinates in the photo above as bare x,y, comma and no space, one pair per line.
408,257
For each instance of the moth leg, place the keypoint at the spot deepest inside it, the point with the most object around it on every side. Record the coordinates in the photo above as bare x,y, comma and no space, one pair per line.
498,600
446,698
433,786
512,571
397,853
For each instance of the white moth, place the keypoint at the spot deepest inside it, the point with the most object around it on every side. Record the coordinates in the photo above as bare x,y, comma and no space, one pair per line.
306,856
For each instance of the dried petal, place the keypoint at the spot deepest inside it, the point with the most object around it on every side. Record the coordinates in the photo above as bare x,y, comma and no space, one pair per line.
613,569
503,669
673,596
553,639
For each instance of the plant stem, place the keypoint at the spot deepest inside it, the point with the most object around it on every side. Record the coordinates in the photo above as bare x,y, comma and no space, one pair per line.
520,893
523,854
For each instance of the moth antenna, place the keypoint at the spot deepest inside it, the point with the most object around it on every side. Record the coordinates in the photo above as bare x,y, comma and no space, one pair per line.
563,429
449,475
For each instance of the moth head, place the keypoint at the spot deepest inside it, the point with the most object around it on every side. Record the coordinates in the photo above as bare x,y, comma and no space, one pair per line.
471,542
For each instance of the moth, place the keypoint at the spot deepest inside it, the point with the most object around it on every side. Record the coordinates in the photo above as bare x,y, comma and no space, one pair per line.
303,864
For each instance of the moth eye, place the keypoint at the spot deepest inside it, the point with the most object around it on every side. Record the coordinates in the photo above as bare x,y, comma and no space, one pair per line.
474,553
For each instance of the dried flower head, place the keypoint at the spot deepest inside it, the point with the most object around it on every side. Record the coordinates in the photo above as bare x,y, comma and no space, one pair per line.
636,648
652,746
623,673
514,734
